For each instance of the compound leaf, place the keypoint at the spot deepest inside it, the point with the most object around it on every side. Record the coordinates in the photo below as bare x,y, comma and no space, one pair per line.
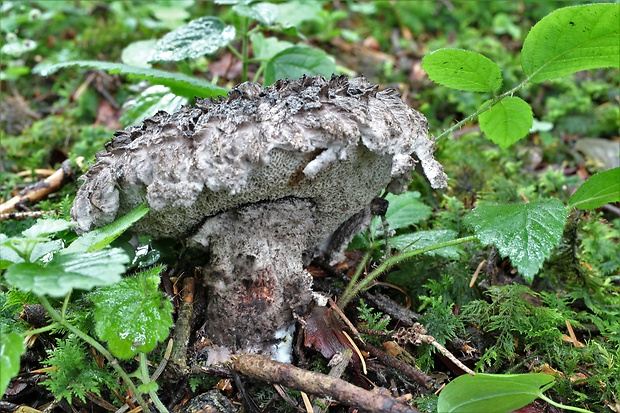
11,349
507,121
132,315
199,37
462,70
572,39
598,190
496,393
524,232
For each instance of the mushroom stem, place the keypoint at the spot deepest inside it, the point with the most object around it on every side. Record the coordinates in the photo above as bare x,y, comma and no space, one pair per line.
255,275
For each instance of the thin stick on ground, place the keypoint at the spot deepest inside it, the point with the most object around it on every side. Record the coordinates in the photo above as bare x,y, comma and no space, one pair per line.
265,369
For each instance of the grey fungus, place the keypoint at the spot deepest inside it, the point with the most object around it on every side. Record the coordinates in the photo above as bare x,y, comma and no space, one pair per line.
260,179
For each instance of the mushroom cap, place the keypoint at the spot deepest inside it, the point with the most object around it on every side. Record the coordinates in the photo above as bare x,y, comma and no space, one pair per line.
336,143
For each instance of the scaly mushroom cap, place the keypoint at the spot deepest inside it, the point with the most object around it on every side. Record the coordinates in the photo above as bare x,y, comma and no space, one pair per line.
336,143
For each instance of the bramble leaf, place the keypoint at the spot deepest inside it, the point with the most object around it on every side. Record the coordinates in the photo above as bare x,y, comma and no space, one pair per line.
47,227
598,190
297,61
179,83
507,121
81,270
102,237
133,315
11,349
524,232
572,39
406,209
496,393
462,70
423,239
199,37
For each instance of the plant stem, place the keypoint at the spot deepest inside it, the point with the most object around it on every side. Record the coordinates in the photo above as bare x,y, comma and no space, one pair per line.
348,292
353,290
88,339
562,406
244,49
144,375
488,105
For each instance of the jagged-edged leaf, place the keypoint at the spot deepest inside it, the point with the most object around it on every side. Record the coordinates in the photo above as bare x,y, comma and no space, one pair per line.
202,36
462,70
102,237
133,315
82,270
422,239
507,121
179,83
297,61
497,393
8,256
406,209
264,13
11,349
294,12
524,232
46,227
572,39
598,190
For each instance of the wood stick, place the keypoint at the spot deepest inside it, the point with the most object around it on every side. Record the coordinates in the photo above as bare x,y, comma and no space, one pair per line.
265,369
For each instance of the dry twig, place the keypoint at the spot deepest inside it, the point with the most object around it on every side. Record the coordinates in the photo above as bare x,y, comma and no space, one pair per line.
265,369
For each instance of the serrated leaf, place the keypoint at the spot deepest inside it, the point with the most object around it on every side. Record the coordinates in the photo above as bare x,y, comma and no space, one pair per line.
8,256
600,189
179,83
47,227
406,209
102,237
507,121
202,36
422,239
295,12
137,53
133,315
297,61
264,13
83,271
524,232
152,100
572,39
462,70
495,393
11,349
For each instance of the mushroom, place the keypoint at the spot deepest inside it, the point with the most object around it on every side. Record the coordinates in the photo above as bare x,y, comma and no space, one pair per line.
263,180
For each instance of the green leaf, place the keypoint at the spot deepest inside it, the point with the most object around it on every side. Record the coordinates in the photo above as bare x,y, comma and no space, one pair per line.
297,61
11,349
524,232
423,239
138,53
462,70
150,101
133,315
82,270
495,393
507,121
199,37
406,209
294,12
600,189
179,83
102,237
572,39
46,227
265,48
264,13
